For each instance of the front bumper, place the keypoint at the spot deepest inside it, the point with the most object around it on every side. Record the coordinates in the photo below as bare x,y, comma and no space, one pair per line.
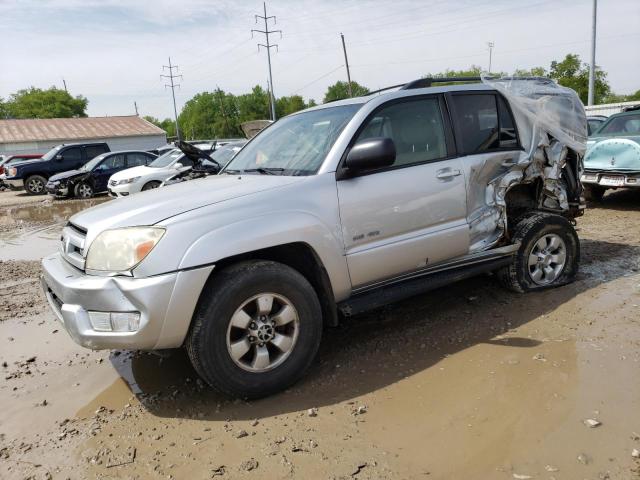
609,179
58,190
16,183
165,302
124,189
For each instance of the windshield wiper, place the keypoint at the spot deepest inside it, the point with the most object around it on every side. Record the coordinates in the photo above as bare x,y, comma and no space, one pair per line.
232,172
265,170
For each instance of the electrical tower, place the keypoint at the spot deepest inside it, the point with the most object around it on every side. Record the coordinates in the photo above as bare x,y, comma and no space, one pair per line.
173,86
268,46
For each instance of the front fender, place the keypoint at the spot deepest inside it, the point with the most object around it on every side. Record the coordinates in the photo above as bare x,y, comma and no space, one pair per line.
262,232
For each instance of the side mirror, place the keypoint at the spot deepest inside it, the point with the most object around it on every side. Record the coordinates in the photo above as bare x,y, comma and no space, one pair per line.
59,157
371,153
178,166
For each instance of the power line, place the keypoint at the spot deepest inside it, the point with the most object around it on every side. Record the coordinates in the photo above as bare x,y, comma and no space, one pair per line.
173,86
266,32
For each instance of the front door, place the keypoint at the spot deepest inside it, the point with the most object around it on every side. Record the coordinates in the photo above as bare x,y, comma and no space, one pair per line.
110,165
413,214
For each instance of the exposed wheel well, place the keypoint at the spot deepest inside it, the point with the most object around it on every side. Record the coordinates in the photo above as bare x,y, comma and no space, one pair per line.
521,199
301,257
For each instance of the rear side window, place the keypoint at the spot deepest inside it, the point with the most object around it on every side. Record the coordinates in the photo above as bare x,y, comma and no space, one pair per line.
94,151
416,128
484,123
72,155
137,159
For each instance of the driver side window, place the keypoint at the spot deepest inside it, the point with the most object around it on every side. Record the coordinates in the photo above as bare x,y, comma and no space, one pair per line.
416,128
114,161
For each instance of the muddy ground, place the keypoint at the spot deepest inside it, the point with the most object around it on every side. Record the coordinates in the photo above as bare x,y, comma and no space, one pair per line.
467,382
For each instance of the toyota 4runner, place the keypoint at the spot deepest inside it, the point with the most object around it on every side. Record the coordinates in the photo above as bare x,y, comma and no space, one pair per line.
326,213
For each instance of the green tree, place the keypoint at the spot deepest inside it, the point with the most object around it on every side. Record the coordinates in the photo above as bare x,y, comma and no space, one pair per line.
52,103
340,91
533,72
287,105
4,112
167,124
254,105
572,73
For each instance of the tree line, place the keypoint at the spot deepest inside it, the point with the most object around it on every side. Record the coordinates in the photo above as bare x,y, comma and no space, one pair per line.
219,114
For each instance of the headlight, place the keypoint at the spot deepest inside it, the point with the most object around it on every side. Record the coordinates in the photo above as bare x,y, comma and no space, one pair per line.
121,249
128,180
13,172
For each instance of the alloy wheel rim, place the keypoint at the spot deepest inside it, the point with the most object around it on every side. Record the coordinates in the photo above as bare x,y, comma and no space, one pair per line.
263,332
35,186
85,191
547,259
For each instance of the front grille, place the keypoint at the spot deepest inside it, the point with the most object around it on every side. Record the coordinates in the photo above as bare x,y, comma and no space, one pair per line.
72,245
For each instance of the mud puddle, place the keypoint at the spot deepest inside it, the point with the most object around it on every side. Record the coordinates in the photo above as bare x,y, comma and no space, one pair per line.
29,232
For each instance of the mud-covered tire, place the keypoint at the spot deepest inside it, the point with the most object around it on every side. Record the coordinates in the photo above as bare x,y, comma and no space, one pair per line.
531,229
151,185
34,185
593,193
224,294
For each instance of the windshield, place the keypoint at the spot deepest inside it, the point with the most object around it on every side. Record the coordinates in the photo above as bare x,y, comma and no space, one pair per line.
226,153
166,159
51,153
91,164
625,125
294,145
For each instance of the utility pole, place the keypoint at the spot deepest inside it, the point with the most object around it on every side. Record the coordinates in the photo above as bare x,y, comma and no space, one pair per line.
268,46
135,104
65,85
173,85
490,45
346,62
592,69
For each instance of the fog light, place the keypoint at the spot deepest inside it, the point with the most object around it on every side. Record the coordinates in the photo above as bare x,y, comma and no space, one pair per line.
632,180
115,321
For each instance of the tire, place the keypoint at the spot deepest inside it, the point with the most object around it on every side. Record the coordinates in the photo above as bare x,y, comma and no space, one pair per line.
212,333
593,193
150,185
83,190
34,185
545,236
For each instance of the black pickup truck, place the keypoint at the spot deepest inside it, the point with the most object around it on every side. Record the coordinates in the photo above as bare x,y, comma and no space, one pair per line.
33,175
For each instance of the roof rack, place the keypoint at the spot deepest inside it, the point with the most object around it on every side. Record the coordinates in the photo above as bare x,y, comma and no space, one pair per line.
429,81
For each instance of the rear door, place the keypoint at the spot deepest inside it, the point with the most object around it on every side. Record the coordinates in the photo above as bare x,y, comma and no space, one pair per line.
411,215
489,145
92,151
110,165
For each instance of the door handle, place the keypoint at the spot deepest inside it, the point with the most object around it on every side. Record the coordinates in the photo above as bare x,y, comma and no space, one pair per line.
446,173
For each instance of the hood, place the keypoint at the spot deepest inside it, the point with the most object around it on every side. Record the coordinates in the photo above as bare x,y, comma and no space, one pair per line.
134,172
614,154
153,206
67,175
21,163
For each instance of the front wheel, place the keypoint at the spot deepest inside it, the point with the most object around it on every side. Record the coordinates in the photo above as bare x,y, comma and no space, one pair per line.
256,329
150,185
83,190
548,256
34,185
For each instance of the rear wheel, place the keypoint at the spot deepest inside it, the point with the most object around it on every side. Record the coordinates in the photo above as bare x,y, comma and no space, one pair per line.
548,256
150,185
34,185
256,329
83,190
593,193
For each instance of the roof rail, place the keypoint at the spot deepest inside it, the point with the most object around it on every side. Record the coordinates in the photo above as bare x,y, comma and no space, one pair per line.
429,81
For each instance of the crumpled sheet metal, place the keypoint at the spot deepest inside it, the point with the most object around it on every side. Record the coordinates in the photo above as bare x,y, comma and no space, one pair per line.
551,120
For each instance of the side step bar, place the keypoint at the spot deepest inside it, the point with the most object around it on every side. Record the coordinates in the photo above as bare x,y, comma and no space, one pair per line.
395,290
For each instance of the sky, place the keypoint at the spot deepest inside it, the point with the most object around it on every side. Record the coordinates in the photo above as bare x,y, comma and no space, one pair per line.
113,51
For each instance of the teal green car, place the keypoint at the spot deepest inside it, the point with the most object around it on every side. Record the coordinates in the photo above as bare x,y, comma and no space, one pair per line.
613,155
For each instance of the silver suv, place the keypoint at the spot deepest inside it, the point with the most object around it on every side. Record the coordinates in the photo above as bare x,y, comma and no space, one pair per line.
326,213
